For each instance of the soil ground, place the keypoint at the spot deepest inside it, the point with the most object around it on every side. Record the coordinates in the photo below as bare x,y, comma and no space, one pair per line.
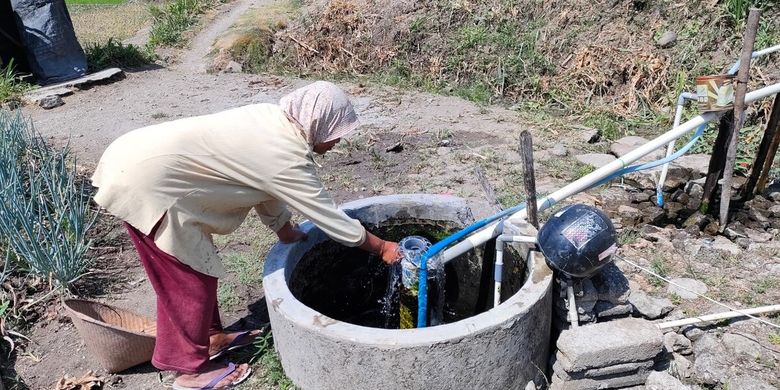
443,140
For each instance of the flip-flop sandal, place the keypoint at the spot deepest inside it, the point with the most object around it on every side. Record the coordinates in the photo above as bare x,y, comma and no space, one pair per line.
210,386
238,344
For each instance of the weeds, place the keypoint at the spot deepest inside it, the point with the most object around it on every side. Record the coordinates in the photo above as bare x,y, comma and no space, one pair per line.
115,54
263,355
226,295
45,208
659,266
170,21
737,10
10,86
627,237
774,338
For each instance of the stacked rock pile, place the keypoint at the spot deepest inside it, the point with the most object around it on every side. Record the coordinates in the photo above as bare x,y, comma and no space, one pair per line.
606,355
604,296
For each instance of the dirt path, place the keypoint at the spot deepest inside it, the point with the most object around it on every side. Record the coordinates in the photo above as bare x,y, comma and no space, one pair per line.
193,58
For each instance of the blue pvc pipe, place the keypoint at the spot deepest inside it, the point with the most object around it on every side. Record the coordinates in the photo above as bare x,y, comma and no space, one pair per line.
422,282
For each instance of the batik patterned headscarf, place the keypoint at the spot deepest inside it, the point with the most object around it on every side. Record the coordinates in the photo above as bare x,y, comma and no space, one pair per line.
323,110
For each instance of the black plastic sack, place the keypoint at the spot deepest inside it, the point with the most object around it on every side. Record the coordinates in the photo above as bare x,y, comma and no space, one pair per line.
46,31
11,49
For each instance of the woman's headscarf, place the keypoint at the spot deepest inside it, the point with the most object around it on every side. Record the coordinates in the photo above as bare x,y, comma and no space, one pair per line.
322,109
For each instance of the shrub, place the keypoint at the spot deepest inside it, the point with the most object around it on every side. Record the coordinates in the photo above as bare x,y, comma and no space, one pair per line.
172,20
115,54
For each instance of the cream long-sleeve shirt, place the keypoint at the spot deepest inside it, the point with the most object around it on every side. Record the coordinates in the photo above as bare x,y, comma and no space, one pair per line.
204,174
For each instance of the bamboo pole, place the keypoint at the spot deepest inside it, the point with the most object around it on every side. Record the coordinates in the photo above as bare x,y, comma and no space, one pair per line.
743,76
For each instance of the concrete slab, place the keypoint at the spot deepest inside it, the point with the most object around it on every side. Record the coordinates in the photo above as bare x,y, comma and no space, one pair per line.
68,87
604,382
609,343
618,369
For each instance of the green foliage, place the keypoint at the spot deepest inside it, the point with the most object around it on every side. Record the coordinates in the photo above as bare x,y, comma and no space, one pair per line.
767,35
45,206
737,10
774,338
115,54
659,266
627,236
226,295
478,54
607,123
10,86
170,21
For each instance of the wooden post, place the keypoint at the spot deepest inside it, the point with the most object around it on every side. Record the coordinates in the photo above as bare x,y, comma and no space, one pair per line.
743,76
718,158
527,154
765,155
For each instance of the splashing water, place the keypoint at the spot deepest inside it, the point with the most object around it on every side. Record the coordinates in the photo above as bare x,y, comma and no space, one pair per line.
403,274
391,301
437,311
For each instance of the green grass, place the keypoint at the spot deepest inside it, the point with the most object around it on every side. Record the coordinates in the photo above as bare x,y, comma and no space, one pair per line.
171,21
10,87
248,266
113,53
263,358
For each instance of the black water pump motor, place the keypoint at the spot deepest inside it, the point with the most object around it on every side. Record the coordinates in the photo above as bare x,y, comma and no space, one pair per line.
578,241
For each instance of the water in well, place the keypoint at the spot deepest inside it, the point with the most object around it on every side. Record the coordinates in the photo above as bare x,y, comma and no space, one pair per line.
354,286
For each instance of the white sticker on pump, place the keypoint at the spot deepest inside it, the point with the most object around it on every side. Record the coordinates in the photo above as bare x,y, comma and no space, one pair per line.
583,229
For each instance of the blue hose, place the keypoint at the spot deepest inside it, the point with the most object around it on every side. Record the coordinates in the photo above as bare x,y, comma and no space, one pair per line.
422,282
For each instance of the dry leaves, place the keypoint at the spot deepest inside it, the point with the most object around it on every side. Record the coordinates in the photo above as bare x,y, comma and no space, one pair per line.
87,382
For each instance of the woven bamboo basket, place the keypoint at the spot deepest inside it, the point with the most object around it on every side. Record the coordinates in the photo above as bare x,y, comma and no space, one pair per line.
118,338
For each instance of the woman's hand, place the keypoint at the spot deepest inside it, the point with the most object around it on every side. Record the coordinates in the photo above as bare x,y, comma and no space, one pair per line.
291,233
387,250
390,252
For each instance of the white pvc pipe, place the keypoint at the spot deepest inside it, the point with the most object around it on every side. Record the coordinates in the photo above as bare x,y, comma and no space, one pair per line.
717,316
670,147
497,272
494,229
498,268
755,54
573,317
